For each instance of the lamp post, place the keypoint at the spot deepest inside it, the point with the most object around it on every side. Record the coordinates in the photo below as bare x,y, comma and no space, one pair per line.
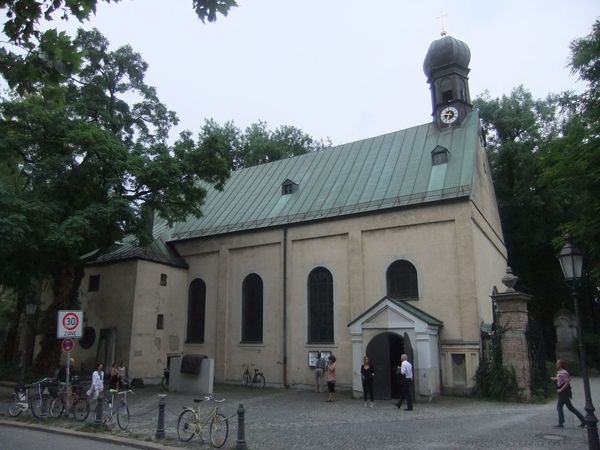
30,309
571,262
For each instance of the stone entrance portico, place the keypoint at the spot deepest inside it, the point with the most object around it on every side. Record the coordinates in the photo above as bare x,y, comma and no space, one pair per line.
419,332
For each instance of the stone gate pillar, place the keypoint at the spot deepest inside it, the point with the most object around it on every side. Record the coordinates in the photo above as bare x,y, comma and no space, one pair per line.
512,317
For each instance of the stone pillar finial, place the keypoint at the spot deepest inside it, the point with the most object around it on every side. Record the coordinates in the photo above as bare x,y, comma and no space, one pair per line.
509,280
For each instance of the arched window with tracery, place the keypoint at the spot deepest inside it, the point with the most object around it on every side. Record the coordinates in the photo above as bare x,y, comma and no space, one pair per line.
320,306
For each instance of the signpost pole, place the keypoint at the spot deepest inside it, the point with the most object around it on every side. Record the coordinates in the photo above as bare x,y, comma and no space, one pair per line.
68,382
69,327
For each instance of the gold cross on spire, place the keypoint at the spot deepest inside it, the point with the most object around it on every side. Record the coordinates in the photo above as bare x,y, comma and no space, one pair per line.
441,17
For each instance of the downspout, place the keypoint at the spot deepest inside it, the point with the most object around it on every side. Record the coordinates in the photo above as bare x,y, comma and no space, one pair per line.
285,374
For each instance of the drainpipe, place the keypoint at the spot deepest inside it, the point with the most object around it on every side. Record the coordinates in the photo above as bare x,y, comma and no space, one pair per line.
285,239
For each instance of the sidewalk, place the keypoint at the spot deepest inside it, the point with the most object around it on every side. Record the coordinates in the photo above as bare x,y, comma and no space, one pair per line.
280,419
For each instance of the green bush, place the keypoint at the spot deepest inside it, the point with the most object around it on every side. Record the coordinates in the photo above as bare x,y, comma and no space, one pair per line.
496,382
492,379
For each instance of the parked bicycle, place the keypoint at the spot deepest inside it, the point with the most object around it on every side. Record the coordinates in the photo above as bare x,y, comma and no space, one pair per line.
115,405
258,380
75,403
29,396
192,422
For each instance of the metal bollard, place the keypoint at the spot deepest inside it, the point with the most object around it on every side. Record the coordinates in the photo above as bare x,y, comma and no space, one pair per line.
241,438
98,420
160,429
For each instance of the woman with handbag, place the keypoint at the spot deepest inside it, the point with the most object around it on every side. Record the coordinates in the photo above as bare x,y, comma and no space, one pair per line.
563,387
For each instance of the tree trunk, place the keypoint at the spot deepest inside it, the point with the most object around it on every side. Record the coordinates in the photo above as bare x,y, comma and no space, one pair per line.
66,281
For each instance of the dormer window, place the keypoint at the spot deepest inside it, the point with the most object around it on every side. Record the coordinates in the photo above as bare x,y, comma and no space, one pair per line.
439,155
288,187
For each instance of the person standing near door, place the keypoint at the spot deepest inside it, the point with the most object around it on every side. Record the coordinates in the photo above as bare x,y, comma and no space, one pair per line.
367,373
406,372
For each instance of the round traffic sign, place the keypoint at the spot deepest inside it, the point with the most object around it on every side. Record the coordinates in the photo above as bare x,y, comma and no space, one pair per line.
67,345
70,321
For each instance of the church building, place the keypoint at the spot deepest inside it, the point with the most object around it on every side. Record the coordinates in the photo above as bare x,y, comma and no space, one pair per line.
379,247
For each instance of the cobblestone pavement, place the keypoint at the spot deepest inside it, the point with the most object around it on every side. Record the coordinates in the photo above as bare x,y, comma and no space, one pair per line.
278,419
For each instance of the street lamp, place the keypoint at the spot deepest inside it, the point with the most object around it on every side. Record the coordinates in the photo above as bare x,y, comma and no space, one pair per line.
571,262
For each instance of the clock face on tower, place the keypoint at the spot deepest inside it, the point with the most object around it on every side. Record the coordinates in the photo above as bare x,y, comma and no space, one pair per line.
449,115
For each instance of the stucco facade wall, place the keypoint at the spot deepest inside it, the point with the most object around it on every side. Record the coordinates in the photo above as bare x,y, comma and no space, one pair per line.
438,240
109,307
151,345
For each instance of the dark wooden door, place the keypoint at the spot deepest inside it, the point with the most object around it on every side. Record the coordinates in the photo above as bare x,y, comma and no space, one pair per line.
384,352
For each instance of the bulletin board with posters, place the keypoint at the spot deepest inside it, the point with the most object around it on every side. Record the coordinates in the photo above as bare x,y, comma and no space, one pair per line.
313,355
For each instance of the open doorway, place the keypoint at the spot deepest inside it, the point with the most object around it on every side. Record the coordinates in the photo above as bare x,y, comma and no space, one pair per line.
384,353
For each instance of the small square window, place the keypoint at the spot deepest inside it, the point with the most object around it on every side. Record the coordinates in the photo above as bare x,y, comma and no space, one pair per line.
439,158
94,283
163,279
160,321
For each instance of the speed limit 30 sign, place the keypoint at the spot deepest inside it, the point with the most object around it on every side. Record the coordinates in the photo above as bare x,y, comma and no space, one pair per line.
70,324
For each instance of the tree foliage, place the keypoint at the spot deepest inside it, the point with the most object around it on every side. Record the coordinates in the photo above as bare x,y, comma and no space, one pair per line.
518,129
572,163
545,163
257,144
86,159
23,16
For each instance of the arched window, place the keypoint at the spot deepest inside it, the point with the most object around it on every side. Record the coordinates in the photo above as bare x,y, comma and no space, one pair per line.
252,309
320,306
196,311
401,277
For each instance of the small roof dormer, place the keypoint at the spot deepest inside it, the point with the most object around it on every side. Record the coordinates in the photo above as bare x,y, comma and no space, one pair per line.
439,155
288,187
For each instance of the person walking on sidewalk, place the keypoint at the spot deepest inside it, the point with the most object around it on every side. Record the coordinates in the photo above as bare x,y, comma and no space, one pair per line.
563,387
406,372
367,373
319,369
97,383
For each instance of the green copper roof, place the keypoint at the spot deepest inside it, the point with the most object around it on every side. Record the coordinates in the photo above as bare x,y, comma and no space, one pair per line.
157,251
382,172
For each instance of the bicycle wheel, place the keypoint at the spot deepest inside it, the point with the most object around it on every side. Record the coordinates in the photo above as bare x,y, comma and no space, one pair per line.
259,380
57,407
246,379
36,402
123,416
187,425
14,409
219,430
81,409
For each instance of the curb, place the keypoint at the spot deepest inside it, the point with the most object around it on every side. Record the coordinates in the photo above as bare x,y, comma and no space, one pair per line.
93,436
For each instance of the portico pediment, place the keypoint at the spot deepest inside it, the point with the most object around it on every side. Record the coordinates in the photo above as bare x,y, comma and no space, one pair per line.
390,313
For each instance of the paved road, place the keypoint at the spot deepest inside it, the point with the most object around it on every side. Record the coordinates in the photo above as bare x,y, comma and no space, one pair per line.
26,439
278,419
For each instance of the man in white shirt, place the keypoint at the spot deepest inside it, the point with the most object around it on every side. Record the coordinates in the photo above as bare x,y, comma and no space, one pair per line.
406,370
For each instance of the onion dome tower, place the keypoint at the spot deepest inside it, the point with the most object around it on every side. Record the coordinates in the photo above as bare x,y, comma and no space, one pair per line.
446,66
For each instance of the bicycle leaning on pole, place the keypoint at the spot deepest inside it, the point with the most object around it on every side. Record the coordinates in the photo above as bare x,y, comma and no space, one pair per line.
115,405
258,380
66,404
192,422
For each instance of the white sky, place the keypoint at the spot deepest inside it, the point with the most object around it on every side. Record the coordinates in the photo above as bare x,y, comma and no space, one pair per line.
342,69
